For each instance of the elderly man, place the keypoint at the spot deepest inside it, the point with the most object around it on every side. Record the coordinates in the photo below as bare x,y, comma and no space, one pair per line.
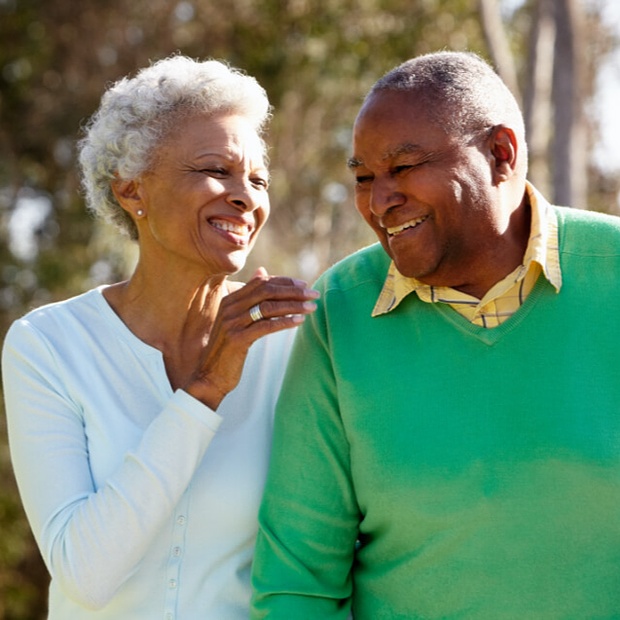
447,441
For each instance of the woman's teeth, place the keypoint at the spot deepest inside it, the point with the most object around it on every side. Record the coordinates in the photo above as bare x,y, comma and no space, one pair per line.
237,229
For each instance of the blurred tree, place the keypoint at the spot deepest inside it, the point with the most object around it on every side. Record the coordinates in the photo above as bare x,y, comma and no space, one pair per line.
537,92
557,83
316,58
498,44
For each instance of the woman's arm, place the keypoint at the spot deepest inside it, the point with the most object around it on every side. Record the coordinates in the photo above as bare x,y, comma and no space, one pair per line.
91,538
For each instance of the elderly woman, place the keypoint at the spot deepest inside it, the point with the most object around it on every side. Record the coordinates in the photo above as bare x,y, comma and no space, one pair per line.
140,413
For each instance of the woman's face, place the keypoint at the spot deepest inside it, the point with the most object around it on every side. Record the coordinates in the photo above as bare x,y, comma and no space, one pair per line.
205,197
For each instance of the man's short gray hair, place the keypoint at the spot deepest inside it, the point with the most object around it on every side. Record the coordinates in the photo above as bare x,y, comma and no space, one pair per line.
137,113
462,91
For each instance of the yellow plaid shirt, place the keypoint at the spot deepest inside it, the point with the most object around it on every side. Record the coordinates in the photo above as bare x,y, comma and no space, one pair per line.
505,297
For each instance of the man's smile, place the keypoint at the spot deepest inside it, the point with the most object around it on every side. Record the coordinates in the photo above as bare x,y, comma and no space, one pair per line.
395,230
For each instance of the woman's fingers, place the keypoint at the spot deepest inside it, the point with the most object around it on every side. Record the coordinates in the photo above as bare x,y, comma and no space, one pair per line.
271,309
270,297
266,304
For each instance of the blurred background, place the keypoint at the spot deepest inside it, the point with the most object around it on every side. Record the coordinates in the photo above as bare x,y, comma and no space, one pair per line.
316,59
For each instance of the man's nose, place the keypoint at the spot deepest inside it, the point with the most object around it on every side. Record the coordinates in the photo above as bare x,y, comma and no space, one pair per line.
384,195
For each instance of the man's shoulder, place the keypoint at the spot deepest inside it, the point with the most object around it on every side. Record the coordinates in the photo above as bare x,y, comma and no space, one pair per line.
569,214
368,265
588,231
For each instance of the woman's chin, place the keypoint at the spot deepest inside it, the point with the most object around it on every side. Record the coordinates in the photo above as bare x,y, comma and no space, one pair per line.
236,263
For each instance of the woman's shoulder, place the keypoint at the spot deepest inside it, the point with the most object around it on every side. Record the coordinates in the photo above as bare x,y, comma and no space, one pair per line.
59,319
63,307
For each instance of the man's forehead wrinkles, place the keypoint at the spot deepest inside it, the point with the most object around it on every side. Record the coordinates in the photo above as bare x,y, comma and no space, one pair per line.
401,149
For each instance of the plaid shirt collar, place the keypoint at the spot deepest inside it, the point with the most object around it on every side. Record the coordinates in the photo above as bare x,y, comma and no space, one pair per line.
542,248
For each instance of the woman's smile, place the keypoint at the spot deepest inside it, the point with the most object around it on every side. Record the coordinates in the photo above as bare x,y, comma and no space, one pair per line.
238,233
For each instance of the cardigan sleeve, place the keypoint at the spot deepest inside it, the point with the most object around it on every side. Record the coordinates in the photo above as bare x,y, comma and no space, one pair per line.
91,539
308,522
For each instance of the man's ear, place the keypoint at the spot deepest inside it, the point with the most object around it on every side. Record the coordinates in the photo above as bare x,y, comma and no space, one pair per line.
504,149
128,195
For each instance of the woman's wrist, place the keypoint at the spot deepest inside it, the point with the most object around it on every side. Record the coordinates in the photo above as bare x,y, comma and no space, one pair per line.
206,392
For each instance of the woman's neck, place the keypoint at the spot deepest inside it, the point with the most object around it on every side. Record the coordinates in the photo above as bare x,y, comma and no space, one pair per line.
172,314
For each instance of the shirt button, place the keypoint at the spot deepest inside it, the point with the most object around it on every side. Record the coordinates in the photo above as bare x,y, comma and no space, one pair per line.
176,552
169,616
172,584
181,520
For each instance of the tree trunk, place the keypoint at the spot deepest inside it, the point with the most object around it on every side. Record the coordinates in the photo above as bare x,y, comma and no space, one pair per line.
497,42
537,97
569,138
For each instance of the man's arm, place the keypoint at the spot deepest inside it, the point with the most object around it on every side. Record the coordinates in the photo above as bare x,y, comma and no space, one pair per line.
309,517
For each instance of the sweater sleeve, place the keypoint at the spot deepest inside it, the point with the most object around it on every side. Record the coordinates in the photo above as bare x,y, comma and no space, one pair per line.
91,539
308,522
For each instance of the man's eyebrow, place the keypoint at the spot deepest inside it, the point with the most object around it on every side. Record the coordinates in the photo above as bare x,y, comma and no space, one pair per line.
402,149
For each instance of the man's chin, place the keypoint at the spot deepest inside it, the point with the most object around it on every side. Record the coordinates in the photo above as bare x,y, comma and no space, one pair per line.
408,270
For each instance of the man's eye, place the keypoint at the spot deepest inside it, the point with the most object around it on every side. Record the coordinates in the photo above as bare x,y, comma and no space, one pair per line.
362,179
260,182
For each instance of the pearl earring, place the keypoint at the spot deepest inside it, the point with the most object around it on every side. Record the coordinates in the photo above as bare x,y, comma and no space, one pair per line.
139,212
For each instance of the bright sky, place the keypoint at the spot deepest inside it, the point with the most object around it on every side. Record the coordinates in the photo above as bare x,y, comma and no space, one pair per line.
606,102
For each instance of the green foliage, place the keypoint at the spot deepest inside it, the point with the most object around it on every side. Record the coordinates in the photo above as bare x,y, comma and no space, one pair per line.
315,58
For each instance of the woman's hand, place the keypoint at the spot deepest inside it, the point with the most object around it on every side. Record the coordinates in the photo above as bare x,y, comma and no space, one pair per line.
276,303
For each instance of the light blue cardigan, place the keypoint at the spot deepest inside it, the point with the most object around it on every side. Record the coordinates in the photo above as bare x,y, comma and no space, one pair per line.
143,501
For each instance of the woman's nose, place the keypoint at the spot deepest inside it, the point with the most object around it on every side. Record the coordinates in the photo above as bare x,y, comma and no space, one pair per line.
243,196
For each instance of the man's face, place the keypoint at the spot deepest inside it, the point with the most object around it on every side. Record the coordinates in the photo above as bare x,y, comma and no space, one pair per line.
427,194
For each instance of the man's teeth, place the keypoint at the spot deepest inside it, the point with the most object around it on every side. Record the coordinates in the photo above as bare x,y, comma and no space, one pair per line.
394,230
237,229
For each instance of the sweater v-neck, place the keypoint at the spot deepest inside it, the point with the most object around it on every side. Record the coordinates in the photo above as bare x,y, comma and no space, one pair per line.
492,335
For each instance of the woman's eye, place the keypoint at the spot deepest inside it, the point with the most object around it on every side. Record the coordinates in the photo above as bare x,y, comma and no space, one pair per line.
260,182
214,171
362,179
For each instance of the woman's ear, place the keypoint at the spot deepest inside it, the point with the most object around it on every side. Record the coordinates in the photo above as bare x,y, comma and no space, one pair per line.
504,149
129,196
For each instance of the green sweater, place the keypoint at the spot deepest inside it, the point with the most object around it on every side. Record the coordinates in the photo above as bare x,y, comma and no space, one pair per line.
424,467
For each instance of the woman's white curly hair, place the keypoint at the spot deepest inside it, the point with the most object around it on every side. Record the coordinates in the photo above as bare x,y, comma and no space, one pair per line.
137,113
